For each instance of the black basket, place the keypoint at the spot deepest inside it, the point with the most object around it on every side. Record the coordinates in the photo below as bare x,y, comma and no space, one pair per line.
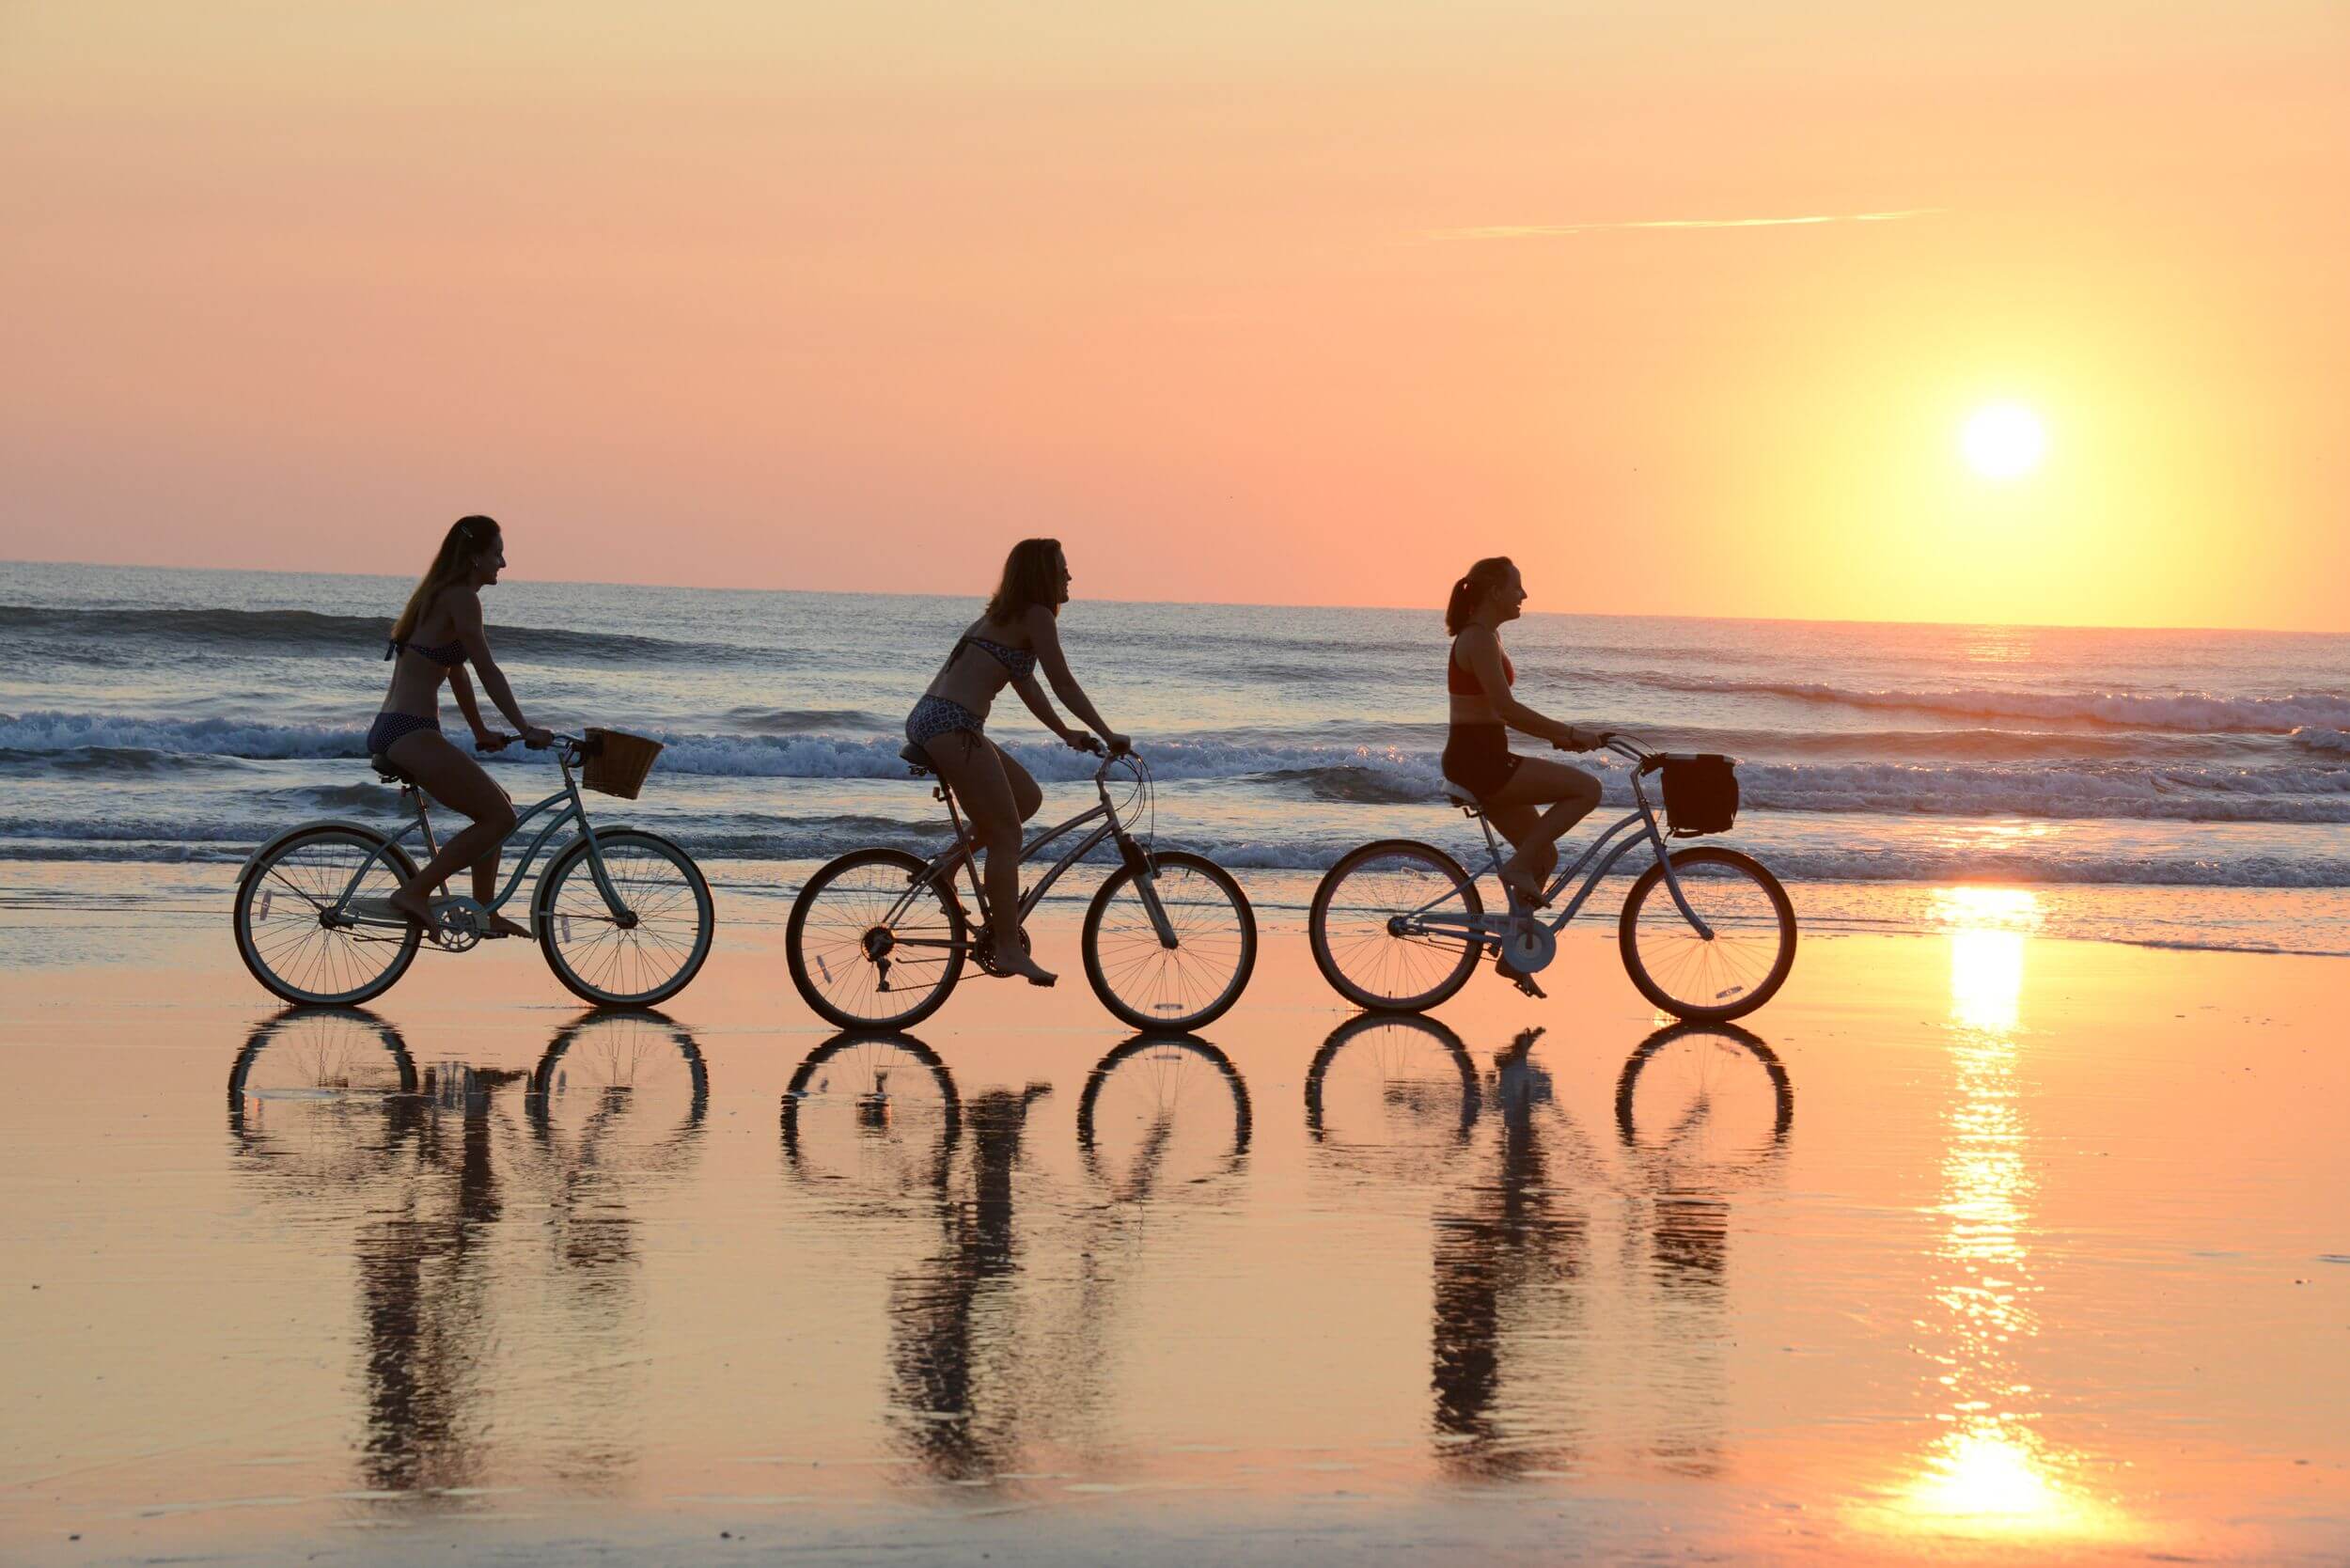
1700,794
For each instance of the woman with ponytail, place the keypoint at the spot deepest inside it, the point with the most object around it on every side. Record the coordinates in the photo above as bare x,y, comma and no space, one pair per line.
434,639
1532,800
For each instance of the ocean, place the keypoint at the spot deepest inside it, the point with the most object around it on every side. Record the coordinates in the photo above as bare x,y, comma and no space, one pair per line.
2169,787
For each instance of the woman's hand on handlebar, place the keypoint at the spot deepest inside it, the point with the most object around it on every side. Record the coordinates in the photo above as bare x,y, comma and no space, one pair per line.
538,739
489,740
1579,738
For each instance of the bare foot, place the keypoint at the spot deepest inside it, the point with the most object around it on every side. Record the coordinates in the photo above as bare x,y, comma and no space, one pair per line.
1529,890
501,926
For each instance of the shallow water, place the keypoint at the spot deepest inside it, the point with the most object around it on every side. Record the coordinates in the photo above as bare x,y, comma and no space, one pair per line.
1979,1242
157,716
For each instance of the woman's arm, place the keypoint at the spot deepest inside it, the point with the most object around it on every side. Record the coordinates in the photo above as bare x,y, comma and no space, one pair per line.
1042,706
1483,650
461,689
465,606
1045,637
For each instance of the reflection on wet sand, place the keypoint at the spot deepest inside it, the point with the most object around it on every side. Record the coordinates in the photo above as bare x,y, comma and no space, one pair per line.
876,1124
1700,1111
1990,1473
326,1103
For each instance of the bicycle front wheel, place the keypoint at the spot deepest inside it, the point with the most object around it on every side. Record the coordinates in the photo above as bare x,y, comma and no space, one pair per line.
870,950
1145,981
1728,973
1369,926
292,917
645,956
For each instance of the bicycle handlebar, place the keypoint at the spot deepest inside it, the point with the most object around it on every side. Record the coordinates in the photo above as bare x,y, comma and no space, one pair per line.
1617,741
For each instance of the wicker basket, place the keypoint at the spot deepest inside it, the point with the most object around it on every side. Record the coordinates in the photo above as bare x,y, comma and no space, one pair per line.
617,762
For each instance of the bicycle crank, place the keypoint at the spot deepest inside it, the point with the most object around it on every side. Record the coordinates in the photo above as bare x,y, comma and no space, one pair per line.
1528,946
458,924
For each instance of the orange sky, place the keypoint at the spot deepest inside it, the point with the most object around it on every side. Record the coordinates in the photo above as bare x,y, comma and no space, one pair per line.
1223,295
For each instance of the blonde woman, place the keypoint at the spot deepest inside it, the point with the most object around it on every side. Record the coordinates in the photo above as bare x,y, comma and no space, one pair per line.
435,638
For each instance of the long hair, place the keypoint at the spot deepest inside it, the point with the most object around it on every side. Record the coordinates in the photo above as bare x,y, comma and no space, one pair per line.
466,538
1032,576
1470,591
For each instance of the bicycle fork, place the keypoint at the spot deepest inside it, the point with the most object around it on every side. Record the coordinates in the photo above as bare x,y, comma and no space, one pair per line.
1147,889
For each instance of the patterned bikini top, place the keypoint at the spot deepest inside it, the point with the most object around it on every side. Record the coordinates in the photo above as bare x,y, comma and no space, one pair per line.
1020,661
448,654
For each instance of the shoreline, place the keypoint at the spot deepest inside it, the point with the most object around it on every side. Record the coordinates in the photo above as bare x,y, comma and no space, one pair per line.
757,893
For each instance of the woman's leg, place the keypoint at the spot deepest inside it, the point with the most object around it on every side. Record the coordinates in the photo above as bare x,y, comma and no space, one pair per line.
1517,824
458,782
1026,795
1567,793
974,768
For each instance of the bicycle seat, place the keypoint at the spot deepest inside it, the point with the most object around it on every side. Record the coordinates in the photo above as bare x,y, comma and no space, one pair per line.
1461,797
391,772
917,758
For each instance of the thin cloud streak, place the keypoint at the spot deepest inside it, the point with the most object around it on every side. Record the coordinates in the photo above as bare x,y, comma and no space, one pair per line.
1538,231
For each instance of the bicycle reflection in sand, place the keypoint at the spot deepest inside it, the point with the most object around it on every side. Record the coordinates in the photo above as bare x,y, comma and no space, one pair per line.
329,1113
979,1357
1528,1357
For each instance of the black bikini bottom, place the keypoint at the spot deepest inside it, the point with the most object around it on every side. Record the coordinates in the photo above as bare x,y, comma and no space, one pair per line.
1478,758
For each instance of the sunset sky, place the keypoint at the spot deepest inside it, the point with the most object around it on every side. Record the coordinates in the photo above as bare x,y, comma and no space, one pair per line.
1287,300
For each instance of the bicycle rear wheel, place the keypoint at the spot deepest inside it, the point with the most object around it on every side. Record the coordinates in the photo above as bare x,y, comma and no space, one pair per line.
1148,985
285,903
1365,933
1726,975
859,964
597,956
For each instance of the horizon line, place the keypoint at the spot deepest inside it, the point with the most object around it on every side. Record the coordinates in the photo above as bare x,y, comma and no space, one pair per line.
1431,608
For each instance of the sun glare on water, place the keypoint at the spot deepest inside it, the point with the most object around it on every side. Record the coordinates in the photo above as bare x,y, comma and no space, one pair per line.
2003,440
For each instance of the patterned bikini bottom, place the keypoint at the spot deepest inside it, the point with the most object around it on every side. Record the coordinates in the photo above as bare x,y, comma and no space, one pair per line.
934,716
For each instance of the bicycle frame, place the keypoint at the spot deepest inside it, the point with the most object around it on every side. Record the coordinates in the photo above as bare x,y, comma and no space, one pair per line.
574,810
1605,850
1107,825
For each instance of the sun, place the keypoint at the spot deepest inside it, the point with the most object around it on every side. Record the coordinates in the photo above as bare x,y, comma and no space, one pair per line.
2003,440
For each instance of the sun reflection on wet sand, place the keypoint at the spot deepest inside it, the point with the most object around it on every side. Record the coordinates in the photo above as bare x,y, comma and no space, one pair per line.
1992,1471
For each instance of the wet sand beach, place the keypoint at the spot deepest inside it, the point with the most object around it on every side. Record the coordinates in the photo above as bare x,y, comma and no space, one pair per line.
1980,1245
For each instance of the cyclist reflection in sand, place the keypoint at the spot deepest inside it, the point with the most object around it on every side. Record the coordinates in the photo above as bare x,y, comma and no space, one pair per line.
1520,1243
978,1358
327,1103
1699,1111
875,1122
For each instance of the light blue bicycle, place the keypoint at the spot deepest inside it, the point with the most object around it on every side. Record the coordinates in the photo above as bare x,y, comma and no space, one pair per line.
1706,933
623,916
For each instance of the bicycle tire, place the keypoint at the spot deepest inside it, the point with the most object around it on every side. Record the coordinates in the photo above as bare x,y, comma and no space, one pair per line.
1149,970
655,952
1340,956
335,951
1702,968
868,905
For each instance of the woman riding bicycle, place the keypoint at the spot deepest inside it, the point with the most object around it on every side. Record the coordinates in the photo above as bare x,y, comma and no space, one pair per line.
433,640
1512,789
1017,632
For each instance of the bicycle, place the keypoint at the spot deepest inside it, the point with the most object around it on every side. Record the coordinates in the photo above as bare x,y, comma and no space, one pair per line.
1397,926
313,924
879,937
